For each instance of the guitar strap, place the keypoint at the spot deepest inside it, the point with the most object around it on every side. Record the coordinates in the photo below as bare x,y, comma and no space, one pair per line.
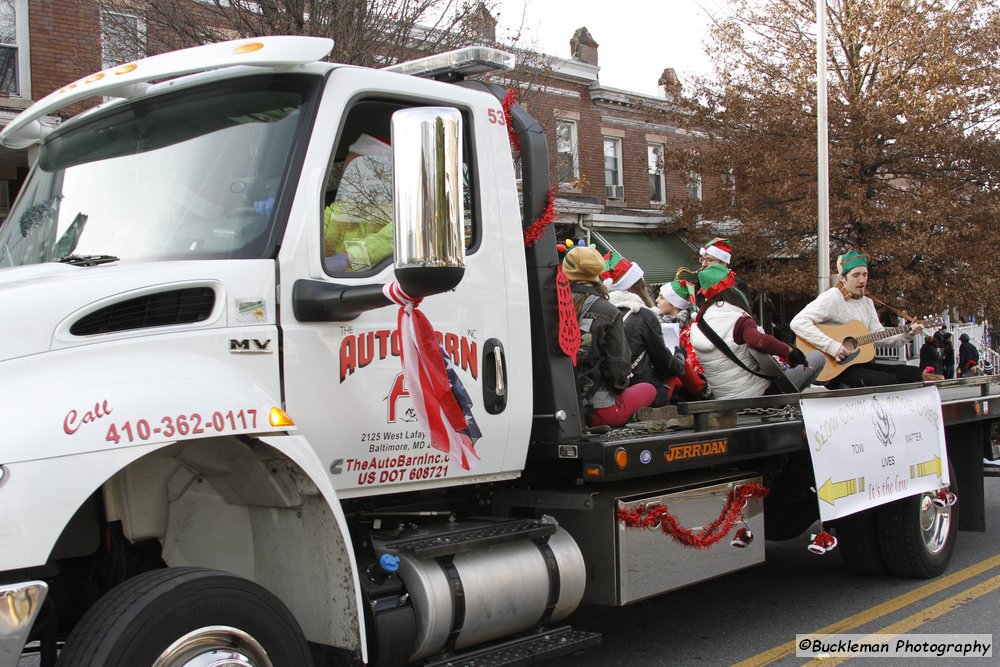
908,318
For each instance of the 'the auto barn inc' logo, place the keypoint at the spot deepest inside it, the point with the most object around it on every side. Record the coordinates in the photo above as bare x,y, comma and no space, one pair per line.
399,410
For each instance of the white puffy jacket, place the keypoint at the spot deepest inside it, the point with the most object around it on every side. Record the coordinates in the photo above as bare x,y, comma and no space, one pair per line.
726,379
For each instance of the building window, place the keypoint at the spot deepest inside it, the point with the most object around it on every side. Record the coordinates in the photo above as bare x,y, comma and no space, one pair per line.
567,155
123,39
657,189
15,78
613,169
694,186
729,185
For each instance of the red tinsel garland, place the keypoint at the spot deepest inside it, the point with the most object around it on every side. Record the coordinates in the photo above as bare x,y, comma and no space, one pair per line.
535,229
508,101
650,516
569,332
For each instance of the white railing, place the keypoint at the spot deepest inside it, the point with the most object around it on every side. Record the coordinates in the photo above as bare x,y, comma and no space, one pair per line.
899,352
977,336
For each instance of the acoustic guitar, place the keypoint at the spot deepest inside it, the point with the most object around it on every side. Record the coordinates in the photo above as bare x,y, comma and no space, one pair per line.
858,342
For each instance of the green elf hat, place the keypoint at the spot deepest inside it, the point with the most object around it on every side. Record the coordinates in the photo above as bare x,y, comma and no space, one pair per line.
851,259
714,279
678,293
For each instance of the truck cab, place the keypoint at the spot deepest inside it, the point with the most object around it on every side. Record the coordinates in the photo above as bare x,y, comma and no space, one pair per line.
199,285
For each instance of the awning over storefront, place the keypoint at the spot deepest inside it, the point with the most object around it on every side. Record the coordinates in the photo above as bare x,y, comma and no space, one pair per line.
659,256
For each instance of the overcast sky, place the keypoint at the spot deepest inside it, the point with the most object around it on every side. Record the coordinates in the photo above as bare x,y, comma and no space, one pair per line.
638,38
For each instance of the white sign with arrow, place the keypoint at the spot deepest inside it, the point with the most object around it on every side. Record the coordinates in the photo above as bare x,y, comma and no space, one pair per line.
872,449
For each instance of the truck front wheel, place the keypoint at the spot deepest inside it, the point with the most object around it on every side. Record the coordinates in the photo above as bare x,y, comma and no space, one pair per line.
186,616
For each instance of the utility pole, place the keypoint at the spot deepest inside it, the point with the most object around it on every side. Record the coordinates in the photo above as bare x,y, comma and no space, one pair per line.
822,155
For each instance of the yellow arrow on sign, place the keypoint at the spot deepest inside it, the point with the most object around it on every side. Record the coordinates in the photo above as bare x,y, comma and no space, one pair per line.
831,491
932,467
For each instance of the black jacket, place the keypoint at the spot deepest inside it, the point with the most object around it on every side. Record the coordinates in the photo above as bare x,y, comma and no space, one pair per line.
967,352
930,358
948,355
604,359
651,360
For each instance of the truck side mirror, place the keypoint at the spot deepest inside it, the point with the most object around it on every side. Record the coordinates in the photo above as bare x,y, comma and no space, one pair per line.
428,199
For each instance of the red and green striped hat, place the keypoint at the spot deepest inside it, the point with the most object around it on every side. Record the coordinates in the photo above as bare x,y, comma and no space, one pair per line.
719,248
621,273
678,293
851,259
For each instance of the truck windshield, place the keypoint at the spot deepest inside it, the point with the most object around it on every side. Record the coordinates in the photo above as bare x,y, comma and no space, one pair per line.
192,175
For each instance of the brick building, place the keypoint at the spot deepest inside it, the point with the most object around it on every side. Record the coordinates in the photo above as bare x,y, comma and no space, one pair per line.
607,161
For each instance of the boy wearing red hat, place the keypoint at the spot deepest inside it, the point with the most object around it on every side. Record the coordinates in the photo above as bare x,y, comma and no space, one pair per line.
652,362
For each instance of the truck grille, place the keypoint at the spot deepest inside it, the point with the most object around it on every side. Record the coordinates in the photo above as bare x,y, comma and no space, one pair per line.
182,306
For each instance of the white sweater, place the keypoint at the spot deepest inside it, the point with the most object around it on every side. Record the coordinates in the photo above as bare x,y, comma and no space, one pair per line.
831,307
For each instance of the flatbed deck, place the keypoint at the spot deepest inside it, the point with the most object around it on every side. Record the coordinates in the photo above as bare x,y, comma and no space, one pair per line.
715,432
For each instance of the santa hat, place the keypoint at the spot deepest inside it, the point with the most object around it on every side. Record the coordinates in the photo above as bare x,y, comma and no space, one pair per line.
721,249
621,273
583,263
851,259
366,144
677,293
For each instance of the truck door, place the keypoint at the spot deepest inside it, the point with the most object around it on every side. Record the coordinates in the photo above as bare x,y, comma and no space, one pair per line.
343,379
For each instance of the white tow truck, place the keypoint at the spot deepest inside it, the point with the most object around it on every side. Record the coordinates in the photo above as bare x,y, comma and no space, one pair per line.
211,454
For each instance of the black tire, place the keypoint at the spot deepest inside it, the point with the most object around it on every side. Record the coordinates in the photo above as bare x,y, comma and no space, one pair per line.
917,539
138,620
858,543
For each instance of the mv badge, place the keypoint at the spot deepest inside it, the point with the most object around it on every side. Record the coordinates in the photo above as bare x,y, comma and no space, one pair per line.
250,346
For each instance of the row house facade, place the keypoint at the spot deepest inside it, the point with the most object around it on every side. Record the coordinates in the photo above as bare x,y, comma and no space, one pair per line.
607,161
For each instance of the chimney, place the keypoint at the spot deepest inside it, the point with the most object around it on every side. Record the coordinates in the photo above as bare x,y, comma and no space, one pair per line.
481,24
583,47
669,83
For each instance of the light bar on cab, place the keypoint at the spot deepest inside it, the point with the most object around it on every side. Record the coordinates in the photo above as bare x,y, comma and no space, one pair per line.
457,64
132,79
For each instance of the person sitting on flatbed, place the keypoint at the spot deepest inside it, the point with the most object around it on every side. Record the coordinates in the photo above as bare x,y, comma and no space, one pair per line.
847,303
651,361
604,359
724,334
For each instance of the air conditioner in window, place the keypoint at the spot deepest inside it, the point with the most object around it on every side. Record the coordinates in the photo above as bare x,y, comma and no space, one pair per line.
614,191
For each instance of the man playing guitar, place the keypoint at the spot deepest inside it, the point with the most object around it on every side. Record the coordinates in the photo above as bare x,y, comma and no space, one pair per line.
846,303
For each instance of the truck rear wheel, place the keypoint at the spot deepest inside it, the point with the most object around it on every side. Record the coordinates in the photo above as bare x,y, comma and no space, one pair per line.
858,543
917,537
186,616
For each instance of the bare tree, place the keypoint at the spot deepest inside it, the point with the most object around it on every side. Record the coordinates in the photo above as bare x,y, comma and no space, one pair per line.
914,96
365,32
